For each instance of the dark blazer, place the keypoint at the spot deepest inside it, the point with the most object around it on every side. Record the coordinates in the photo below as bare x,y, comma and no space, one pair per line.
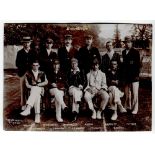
131,66
23,61
65,58
85,57
105,65
41,79
35,54
46,61
76,79
113,76
58,79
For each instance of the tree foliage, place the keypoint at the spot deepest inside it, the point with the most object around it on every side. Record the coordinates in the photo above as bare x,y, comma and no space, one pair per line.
142,35
13,33
142,31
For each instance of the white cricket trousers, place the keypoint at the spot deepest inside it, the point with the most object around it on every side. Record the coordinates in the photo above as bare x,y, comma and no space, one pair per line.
59,102
115,94
77,95
131,93
34,98
102,94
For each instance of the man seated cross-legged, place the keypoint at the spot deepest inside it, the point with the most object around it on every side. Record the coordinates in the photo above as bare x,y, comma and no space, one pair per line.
35,80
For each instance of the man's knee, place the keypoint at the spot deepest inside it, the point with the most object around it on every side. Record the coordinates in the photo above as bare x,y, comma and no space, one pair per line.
112,87
110,96
52,92
104,95
36,90
87,96
72,91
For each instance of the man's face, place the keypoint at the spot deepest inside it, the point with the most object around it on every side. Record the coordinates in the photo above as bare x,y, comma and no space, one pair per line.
109,46
49,44
37,43
74,65
35,67
95,67
68,41
114,65
89,41
128,44
27,45
56,67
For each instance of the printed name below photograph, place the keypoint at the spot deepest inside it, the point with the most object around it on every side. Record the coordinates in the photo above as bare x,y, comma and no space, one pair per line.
77,77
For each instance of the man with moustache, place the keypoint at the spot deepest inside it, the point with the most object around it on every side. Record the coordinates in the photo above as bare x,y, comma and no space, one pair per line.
66,53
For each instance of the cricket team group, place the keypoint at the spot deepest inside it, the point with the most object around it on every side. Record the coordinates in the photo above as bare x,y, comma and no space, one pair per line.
82,74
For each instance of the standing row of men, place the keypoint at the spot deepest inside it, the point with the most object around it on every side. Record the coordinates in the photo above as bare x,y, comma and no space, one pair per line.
89,62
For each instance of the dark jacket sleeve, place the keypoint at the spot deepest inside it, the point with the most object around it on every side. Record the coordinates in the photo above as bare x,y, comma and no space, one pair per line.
98,55
79,57
18,60
83,77
21,63
137,63
68,79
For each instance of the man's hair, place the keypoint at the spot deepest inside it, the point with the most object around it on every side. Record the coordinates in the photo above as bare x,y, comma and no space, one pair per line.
35,61
108,42
95,62
112,62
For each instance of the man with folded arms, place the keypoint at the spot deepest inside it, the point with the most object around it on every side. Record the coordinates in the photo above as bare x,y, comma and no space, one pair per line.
57,85
35,80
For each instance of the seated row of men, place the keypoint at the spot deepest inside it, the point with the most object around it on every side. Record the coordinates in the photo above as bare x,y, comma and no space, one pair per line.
77,86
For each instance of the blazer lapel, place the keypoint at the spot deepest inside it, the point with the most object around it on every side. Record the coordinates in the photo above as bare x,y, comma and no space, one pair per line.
39,75
32,75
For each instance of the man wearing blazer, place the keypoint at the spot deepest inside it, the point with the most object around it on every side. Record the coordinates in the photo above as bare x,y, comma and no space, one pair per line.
35,80
66,53
76,82
130,74
57,84
47,56
23,63
87,54
96,86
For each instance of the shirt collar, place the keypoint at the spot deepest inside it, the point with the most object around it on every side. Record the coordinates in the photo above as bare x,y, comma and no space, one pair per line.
92,71
127,51
48,51
68,47
110,54
35,72
77,70
27,51
88,48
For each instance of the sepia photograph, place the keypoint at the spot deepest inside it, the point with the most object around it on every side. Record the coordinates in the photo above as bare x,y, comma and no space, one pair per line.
77,77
